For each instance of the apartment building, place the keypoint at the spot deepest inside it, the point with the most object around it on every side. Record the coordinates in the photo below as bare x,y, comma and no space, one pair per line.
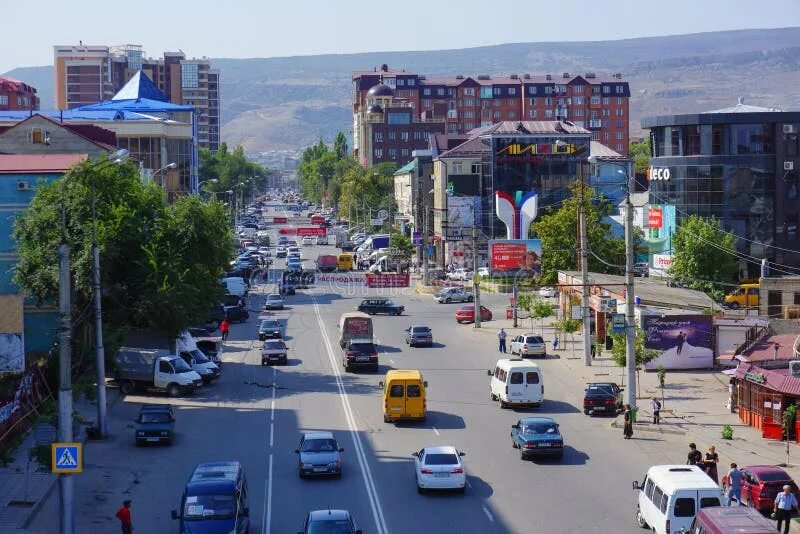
464,103
87,75
17,95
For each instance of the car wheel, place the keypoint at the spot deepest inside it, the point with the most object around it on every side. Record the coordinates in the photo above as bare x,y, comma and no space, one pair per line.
386,419
522,454
734,305
513,444
447,300
469,299
502,404
126,388
640,519
173,390
493,397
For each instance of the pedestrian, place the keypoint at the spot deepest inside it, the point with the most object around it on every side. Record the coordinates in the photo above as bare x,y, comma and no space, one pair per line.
627,429
225,327
501,336
124,516
555,342
785,503
655,406
712,458
734,485
594,350
694,457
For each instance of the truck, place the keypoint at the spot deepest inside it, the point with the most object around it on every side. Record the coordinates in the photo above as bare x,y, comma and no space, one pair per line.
341,239
354,325
327,263
154,369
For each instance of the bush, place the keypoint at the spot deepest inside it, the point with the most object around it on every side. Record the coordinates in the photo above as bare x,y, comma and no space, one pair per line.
727,432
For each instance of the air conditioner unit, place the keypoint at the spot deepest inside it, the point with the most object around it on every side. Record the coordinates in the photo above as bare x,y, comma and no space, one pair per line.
789,129
794,368
788,165
22,185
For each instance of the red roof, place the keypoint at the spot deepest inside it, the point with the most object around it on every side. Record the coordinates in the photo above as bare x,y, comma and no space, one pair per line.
44,163
778,380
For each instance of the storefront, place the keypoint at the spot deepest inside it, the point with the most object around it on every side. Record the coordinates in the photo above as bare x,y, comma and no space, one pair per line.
763,395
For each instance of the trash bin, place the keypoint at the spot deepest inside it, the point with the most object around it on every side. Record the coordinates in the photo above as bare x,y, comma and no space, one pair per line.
634,411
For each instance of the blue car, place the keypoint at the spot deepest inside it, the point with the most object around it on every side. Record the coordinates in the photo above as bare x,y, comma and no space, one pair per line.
537,436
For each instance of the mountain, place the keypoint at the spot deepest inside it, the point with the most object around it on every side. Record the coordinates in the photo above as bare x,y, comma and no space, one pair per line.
290,102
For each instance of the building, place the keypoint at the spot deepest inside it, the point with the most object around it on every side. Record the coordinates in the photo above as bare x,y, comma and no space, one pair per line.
414,198
387,129
17,95
86,75
19,176
39,134
599,104
739,164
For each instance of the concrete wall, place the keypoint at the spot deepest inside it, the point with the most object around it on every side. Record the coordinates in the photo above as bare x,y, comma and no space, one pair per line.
789,289
17,140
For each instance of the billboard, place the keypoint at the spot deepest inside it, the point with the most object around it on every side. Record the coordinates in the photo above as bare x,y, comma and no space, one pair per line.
280,220
660,228
312,231
12,346
684,341
461,211
388,280
520,258
317,219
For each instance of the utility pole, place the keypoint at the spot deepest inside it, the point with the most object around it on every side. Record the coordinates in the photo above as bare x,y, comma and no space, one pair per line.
630,325
102,417
426,280
65,481
587,325
476,286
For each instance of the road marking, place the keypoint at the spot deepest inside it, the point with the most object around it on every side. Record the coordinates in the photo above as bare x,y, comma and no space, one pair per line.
437,432
485,510
272,407
268,499
271,433
366,474
468,484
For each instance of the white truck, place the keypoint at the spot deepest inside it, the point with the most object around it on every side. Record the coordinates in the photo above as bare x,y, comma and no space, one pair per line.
190,353
154,369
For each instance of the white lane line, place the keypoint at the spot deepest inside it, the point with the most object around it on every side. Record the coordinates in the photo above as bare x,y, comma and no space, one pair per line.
268,500
468,484
485,510
272,408
436,431
366,473
271,434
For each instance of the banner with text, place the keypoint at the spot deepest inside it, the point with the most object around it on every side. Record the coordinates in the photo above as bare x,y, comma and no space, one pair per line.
280,220
388,280
312,232
520,258
684,341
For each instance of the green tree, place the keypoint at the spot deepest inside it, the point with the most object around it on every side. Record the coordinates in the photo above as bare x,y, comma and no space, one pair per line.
704,256
643,355
568,326
231,170
557,229
537,308
639,152
340,146
403,245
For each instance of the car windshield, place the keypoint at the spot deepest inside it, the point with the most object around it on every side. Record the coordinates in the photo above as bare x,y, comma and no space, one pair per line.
772,476
180,366
541,428
201,507
319,445
274,345
600,390
269,324
534,339
154,417
330,526
441,459
199,357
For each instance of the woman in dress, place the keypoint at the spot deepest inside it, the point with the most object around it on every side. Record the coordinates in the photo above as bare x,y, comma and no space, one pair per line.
712,458
628,428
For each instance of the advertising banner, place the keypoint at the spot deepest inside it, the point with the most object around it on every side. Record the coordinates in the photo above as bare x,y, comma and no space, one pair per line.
388,280
683,340
312,231
521,258
461,212
416,238
341,278
280,220
12,346
661,227
317,219
287,231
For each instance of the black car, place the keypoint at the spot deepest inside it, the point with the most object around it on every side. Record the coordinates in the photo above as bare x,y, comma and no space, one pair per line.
233,300
373,306
360,353
602,397
236,314
269,328
286,288
339,521
155,424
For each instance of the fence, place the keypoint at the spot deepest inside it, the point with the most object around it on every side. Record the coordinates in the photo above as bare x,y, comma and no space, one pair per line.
16,408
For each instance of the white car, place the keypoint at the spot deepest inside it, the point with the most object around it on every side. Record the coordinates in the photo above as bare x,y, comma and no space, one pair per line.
484,272
439,468
308,241
547,292
461,274
528,345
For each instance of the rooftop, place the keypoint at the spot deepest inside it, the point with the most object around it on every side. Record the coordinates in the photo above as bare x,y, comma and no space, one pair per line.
778,380
140,86
39,163
741,107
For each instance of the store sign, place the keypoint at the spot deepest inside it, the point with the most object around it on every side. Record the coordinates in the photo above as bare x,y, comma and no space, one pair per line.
618,323
658,174
662,261
758,378
519,149
655,218
312,231
317,219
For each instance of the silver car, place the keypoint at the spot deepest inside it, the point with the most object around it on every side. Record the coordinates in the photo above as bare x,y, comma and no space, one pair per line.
528,345
319,455
274,302
453,294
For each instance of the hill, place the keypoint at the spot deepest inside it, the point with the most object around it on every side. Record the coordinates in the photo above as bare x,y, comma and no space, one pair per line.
288,102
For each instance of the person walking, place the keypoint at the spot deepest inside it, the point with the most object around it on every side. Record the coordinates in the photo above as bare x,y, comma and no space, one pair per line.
225,328
712,458
501,337
124,516
555,342
694,457
594,350
785,502
734,485
655,407
627,429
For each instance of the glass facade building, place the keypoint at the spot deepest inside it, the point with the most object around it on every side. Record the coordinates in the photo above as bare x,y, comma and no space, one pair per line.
739,165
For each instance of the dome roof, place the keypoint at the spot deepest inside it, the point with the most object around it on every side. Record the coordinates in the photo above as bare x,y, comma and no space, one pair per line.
375,109
380,90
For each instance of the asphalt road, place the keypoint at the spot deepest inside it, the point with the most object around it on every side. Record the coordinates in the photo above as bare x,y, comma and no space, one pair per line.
255,414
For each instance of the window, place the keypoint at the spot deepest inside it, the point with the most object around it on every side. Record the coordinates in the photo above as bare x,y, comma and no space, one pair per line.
577,89
426,103
486,92
392,153
709,502
512,115
3,100
413,390
417,135
619,100
532,377
648,489
579,112
656,498
532,101
497,103
548,113
684,507
39,136
548,89
548,101
512,90
605,100
578,100
595,136
594,114
620,147
378,137
410,82
392,135
620,136
440,91
606,89
496,115
496,91
606,137
396,390
606,113
398,118
561,88
469,114
619,112
516,377
189,76
475,168
595,100
532,113
458,168
620,89
620,124
404,152
606,123
426,91
531,89
404,136
378,152
400,82
511,101
469,91
164,367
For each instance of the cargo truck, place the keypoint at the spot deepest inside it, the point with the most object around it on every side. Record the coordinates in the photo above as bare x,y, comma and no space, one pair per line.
154,369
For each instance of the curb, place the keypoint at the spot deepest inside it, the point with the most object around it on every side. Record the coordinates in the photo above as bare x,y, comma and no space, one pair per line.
643,427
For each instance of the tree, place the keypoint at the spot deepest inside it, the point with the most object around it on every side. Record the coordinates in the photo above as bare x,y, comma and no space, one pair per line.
537,308
704,256
567,325
557,229
403,245
231,169
340,146
639,152
643,354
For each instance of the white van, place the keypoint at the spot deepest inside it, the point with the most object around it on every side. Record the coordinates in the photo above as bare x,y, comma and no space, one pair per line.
235,286
670,496
516,382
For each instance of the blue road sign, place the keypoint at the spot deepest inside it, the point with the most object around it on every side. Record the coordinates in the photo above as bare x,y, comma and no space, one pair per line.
66,457
618,323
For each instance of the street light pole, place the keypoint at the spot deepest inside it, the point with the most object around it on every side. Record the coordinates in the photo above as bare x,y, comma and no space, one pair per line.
587,325
65,481
476,286
630,325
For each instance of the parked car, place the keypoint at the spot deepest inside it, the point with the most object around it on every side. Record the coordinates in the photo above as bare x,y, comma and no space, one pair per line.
528,345
461,274
280,251
274,351
274,302
418,335
466,314
155,424
373,306
236,314
453,294
324,521
537,436
319,454
641,269
439,468
360,353
762,483
269,328
602,397
547,292
307,241
233,300
484,272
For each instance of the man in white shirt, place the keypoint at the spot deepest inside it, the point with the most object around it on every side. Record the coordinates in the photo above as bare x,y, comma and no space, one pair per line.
785,502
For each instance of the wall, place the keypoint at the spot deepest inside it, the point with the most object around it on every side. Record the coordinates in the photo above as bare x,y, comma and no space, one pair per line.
17,140
788,286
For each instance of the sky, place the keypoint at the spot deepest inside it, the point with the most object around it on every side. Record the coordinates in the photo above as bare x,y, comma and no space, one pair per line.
270,28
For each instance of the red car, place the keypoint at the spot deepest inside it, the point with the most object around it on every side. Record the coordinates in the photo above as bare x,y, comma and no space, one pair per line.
762,483
466,314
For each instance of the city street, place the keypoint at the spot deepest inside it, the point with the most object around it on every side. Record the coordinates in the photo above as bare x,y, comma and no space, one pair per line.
255,414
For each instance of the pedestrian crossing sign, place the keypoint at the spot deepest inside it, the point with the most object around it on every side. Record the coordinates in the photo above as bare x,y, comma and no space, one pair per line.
66,457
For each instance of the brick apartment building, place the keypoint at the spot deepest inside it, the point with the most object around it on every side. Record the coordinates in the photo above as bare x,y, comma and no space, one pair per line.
86,75
16,95
463,103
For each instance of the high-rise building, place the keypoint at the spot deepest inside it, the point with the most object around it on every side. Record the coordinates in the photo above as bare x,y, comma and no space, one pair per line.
17,95
89,74
464,103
